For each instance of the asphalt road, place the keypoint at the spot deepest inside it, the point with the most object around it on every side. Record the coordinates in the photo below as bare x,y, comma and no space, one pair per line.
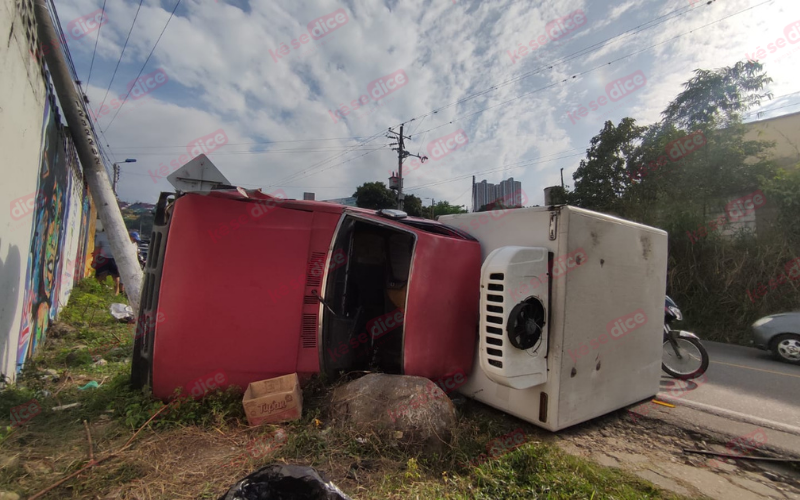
744,380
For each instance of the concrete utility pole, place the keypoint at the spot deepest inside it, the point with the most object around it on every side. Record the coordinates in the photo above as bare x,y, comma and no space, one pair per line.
89,155
402,154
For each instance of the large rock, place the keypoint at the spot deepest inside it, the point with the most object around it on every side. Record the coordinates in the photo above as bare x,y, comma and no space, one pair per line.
413,410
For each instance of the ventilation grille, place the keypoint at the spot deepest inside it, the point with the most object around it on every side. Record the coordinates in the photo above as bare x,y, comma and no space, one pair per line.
314,272
495,321
310,300
308,337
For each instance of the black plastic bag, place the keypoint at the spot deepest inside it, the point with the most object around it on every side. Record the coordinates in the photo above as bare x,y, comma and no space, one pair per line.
284,482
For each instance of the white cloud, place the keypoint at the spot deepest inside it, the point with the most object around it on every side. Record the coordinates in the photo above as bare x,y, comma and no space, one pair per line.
220,58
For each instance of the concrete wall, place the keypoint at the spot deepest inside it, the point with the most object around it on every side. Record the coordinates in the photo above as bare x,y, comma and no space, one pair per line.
46,210
22,101
785,131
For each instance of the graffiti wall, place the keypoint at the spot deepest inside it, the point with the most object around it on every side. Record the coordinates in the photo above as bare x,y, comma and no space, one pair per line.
55,257
47,223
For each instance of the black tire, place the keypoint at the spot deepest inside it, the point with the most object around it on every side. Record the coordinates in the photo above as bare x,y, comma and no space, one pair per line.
691,375
779,344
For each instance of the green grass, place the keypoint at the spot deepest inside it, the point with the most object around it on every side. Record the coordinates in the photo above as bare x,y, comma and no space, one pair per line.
360,462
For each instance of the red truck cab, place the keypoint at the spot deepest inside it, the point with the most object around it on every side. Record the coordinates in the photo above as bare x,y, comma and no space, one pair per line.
251,286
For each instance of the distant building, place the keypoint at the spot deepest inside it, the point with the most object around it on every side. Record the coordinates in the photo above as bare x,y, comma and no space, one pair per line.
348,202
509,192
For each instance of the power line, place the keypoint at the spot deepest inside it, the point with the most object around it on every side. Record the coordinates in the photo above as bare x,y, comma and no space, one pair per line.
121,54
774,109
279,151
91,65
461,117
247,143
596,46
525,163
297,175
145,63
74,73
661,19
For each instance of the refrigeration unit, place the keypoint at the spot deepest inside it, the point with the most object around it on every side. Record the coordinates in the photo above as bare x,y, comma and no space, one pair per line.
571,312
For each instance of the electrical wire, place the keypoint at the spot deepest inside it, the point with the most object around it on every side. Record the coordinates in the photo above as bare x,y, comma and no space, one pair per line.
461,117
121,54
91,65
759,111
246,143
296,176
76,81
654,22
525,163
657,21
286,151
145,63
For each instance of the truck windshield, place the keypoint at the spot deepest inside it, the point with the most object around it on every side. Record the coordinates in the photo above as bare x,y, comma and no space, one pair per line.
369,287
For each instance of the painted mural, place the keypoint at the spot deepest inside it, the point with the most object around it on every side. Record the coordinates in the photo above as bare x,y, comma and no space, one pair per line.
50,258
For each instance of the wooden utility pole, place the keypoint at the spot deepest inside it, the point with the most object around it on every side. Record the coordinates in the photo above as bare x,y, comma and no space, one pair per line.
402,154
89,155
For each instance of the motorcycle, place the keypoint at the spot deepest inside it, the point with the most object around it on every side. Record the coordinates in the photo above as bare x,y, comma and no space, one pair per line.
683,356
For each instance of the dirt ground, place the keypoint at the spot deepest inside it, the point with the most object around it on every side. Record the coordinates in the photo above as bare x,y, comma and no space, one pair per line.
653,450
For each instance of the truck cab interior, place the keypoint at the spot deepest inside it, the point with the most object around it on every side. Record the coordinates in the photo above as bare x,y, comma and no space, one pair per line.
363,294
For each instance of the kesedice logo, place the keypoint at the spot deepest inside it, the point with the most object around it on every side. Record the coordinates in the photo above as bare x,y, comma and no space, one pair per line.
563,26
82,26
377,89
141,86
448,383
23,206
626,324
555,30
744,206
206,383
328,23
438,149
443,146
385,85
626,85
685,145
791,34
207,144
24,412
615,91
318,28
383,324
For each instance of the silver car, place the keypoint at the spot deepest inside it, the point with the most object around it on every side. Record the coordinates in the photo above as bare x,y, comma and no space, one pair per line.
779,334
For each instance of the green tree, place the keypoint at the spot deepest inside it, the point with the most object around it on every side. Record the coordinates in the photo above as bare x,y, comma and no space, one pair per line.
783,192
413,206
602,178
375,195
445,208
717,98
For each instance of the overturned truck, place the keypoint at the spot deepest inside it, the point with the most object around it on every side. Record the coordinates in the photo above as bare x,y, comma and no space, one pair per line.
553,313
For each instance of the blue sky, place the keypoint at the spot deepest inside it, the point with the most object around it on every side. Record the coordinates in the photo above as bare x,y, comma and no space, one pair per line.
462,69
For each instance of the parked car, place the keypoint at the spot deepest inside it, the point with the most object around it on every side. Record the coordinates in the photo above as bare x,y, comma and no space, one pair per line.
779,334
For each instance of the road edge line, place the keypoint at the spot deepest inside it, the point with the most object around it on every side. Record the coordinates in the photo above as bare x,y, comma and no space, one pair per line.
733,415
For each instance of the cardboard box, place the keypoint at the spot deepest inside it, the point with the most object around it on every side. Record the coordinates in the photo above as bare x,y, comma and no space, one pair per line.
275,400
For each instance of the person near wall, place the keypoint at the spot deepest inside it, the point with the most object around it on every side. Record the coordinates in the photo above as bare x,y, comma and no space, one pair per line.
103,261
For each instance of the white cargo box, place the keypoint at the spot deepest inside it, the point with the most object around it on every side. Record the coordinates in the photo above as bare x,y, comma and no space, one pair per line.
572,311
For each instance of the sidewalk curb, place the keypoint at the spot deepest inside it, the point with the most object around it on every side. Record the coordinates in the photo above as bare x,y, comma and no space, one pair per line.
733,415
